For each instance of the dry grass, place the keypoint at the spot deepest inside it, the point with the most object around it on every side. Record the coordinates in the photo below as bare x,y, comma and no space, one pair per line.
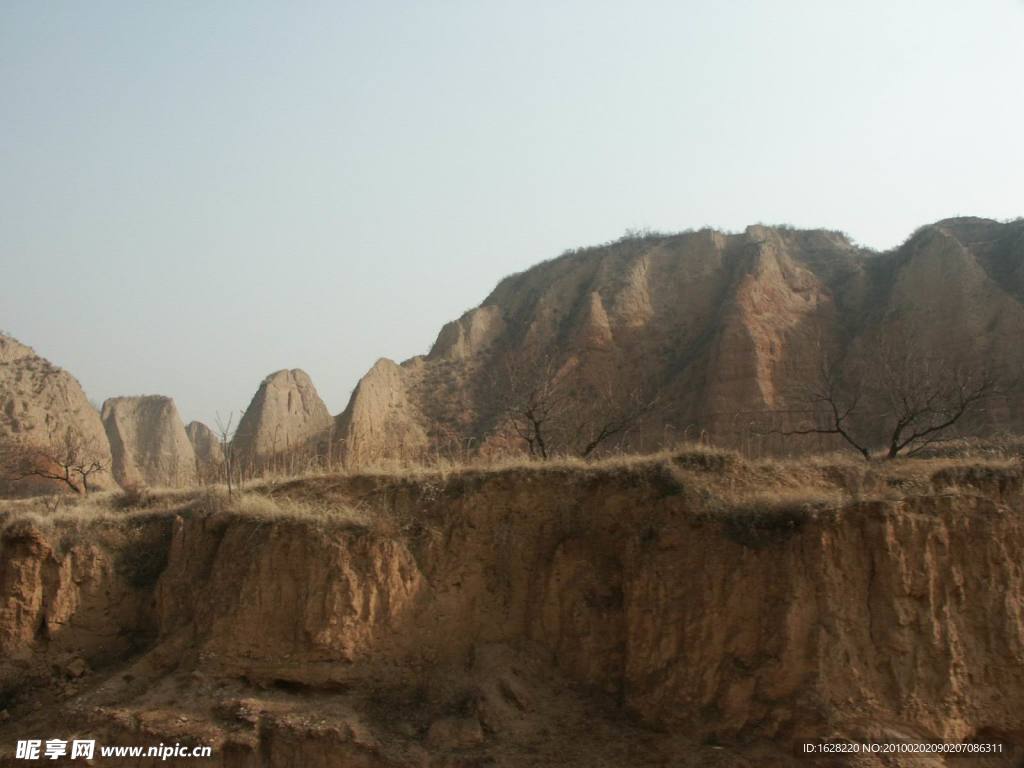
714,480
75,513
263,506
257,502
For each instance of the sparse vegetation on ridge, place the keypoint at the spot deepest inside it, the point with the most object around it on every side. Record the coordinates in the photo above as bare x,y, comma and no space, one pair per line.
718,482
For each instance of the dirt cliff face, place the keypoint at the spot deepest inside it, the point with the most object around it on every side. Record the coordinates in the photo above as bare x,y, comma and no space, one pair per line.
720,326
39,401
381,420
285,418
632,615
148,442
205,443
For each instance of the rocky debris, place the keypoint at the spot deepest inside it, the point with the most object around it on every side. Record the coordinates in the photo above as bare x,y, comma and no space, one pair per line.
724,326
76,667
148,442
285,418
39,403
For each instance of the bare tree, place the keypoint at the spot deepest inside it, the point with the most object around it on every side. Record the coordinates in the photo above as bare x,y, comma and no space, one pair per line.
226,434
900,396
560,409
534,396
66,456
926,396
833,405
606,409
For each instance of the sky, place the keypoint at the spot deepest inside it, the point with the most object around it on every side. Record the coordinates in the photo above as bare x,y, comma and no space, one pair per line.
194,194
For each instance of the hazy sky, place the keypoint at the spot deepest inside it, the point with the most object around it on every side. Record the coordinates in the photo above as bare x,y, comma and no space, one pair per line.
195,194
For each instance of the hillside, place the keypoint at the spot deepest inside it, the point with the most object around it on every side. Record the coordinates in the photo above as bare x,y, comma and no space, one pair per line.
716,329
637,345
39,403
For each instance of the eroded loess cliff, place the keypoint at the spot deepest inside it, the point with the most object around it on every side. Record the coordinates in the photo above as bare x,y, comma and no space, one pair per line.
684,610
286,419
723,332
148,442
40,404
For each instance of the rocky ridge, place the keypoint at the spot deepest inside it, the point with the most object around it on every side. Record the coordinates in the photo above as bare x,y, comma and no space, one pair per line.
717,327
719,324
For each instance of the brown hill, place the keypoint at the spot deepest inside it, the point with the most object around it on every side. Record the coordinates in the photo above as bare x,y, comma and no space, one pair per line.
208,450
716,331
205,443
285,421
148,442
39,402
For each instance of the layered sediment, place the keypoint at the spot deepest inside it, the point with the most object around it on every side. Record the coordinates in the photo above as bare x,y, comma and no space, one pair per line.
536,617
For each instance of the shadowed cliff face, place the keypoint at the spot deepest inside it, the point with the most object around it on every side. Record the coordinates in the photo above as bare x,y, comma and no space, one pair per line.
205,443
488,616
721,326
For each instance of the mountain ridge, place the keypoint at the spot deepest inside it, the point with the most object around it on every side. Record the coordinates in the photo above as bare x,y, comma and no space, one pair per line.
726,313
714,326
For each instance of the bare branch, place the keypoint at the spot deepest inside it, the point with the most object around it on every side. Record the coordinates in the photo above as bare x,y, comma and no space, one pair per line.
832,403
909,400
66,457
560,407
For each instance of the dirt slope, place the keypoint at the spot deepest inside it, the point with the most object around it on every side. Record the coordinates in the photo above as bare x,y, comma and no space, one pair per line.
286,417
679,612
39,400
148,441
719,326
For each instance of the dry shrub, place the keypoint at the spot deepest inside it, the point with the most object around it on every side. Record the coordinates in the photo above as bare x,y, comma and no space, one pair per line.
322,515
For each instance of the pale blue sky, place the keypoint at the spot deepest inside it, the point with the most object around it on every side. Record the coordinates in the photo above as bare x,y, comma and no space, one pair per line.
194,194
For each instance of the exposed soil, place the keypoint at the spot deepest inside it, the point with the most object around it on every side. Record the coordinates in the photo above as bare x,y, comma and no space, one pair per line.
690,611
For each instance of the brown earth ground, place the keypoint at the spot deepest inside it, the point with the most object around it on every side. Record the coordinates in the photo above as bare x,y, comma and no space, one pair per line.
683,609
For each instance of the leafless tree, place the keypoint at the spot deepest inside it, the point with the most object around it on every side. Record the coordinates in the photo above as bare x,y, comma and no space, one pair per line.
833,404
925,396
66,456
899,395
532,398
226,434
607,407
558,409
